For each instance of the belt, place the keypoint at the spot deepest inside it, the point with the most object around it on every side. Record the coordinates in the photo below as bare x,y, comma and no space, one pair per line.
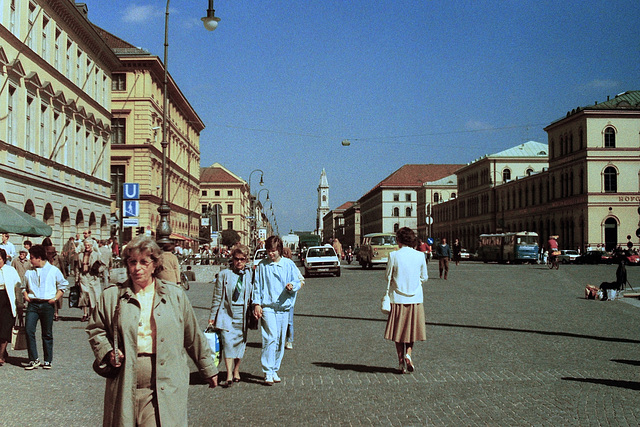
38,300
146,354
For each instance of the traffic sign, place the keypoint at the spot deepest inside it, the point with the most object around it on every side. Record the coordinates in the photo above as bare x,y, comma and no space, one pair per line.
130,191
131,208
130,222
430,240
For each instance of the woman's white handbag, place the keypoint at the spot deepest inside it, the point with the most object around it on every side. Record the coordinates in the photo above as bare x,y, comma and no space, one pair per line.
386,304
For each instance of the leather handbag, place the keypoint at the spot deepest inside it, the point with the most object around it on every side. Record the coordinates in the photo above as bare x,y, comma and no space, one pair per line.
252,320
19,335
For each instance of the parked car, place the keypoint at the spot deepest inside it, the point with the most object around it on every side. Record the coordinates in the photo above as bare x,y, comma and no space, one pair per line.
321,260
568,256
464,254
629,258
258,256
594,257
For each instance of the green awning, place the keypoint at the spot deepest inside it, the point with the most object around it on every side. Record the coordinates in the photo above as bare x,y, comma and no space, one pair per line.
15,221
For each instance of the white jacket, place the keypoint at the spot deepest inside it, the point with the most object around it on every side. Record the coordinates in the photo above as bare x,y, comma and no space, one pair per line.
12,284
406,273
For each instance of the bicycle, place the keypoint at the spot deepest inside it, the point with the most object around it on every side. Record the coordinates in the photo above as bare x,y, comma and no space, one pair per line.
552,261
184,281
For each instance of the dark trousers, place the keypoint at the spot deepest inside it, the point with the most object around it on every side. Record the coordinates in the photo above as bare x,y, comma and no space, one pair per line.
42,311
443,265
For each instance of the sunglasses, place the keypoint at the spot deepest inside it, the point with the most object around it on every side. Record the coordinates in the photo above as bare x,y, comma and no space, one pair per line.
239,259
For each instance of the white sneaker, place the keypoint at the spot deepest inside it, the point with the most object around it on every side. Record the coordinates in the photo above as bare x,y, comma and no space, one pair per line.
276,378
268,380
288,345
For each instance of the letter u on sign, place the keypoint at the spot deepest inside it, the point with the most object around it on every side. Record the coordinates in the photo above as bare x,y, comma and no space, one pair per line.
131,191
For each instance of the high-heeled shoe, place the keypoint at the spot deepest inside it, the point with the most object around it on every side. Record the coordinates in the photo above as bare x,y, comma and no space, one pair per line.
401,368
409,362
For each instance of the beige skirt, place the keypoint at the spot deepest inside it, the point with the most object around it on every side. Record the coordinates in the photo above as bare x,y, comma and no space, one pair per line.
406,323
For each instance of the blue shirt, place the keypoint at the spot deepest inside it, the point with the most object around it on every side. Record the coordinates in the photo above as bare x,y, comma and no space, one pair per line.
270,281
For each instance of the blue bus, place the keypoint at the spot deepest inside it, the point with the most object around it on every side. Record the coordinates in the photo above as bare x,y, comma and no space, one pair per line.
509,247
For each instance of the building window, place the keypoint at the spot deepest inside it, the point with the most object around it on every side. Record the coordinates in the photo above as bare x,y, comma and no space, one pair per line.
117,177
408,212
506,175
230,193
229,209
229,225
396,197
529,171
118,130
436,197
610,180
396,227
45,35
609,138
453,195
396,211
119,81
30,120
216,193
407,197
204,193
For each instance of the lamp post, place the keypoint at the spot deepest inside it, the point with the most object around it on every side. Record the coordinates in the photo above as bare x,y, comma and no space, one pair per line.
252,228
163,232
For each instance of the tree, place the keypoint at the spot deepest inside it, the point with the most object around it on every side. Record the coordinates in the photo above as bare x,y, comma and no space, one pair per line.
229,237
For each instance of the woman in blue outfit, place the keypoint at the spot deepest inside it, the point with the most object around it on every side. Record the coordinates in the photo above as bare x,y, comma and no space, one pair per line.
274,294
231,296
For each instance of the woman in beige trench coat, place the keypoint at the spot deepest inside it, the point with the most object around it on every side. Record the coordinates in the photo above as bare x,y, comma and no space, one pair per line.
160,363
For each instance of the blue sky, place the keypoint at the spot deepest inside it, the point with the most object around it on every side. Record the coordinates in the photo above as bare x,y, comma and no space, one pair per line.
281,83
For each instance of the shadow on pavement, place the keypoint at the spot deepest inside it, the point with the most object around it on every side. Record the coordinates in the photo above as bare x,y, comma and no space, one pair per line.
632,385
627,362
532,331
196,379
339,317
17,361
356,368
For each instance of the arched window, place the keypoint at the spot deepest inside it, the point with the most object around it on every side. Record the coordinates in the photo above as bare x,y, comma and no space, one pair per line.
396,227
529,171
506,175
396,211
436,197
609,138
453,195
408,211
610,180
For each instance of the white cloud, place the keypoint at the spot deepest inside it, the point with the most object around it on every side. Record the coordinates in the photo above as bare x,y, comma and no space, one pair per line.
139,14
478,125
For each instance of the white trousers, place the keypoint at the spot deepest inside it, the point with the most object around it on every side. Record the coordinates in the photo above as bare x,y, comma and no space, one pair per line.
274,329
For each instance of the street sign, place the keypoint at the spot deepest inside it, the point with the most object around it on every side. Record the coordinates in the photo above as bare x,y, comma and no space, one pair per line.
131,208
429,220
130,191
204,221
130,222
430,241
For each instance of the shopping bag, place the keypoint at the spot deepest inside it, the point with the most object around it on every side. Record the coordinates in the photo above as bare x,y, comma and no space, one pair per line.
74,296
386,304
213,338
19,335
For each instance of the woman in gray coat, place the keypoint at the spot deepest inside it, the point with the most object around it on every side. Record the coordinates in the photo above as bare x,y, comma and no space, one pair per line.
157,330
231,297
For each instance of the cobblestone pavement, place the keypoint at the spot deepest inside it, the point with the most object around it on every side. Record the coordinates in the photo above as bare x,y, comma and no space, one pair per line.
507,345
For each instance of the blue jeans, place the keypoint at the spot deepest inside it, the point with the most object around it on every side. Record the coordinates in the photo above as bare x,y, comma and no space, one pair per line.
42,311
290,327
274,329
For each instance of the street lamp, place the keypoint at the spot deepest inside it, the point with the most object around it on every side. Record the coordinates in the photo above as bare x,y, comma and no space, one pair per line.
163,232
252,229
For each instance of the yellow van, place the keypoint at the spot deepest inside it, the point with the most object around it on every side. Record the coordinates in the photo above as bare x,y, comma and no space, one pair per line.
375,249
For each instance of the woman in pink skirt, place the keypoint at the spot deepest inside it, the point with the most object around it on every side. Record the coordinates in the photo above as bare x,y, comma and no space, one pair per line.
406,273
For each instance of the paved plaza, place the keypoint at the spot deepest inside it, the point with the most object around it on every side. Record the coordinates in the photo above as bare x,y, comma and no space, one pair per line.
508,345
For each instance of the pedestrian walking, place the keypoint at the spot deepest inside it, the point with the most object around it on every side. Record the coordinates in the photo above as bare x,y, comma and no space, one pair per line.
443,252
288,340
170,264
8,247
231,298
22,263
157,329
275,288
44,286
9,289
68,257
406,274
87,275
456,249
54,259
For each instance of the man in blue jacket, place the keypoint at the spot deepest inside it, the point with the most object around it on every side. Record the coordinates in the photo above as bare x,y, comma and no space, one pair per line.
443,252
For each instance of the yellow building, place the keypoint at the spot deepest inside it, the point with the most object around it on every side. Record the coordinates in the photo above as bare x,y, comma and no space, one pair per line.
55,74
136,151
219,186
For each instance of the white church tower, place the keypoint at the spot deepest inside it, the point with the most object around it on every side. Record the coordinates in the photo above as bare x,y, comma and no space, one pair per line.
323,201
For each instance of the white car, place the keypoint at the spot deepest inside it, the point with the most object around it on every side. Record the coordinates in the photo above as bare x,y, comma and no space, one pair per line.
321,260
257,257
568,256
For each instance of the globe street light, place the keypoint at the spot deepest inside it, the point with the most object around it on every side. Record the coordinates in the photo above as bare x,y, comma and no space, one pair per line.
163,232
